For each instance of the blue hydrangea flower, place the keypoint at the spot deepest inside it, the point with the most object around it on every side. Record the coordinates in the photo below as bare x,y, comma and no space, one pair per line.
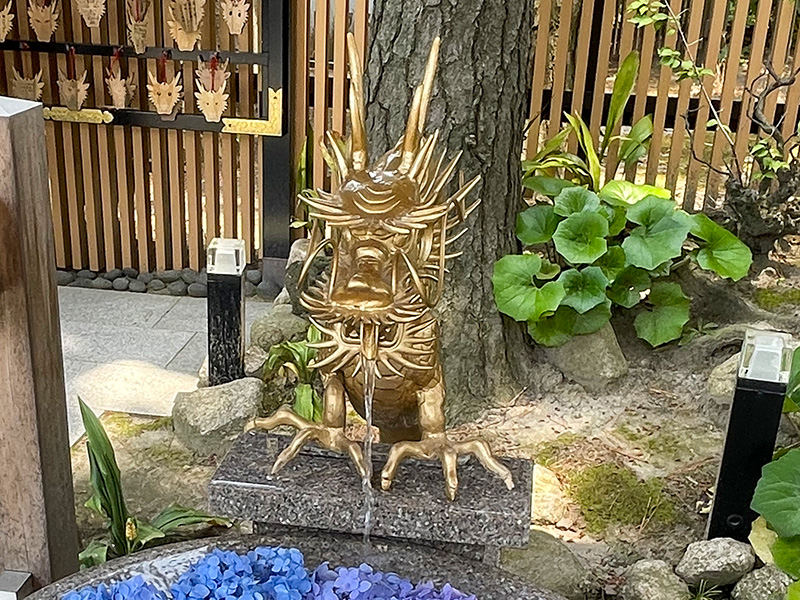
135,588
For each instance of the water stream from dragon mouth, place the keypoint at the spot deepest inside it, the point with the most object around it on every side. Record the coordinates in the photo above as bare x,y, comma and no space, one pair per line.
368,367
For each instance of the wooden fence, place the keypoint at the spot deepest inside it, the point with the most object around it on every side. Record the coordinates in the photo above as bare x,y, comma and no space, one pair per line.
578,45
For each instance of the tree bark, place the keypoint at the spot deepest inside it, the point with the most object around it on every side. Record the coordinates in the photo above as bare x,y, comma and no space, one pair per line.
480,105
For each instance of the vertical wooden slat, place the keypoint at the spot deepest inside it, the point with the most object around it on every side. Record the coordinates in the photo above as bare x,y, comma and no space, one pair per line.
754,67
320,88
625,48
210,185
792,97
684,93
540,63
59,231
142,198
193,177
659,117
781,39
560,67
177,214
729,86
642,83
604,46
360,18
227,157
245,143
581,63
717,26
339,62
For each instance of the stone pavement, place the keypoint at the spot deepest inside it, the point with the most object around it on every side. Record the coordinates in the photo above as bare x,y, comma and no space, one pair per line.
132,352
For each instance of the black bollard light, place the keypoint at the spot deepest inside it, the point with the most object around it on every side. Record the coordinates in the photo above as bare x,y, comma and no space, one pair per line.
755,415
15,585
225,302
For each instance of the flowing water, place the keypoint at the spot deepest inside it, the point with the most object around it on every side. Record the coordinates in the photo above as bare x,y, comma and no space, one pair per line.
368,367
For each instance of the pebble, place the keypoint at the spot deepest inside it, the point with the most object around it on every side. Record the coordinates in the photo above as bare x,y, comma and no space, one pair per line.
177,288
137,286
249,289
189,276
168,276
197,290
120,284
253,276
130,272
82,282
156,285
113,274
146,278
86,274
268,290
64,277
101,283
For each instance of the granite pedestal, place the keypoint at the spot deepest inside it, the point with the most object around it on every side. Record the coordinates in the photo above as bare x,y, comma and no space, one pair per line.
320,490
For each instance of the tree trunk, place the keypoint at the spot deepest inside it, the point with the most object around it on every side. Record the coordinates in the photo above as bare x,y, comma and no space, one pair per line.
480,104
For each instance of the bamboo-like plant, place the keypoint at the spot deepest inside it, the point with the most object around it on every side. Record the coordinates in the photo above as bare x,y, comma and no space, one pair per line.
296,358
126,533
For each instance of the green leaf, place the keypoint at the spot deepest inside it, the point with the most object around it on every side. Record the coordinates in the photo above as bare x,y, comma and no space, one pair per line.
792,401
175,516
635,145
623,86
580,238
547,186
723,252
612,262
584,289
145,533
616,219
105,479
575,200
586,143
515,291
548,270
96,553
786,553
762,538
793,592
625,193
304,401
661,235
628,287
777,495
555,330
665,320
552,145
536,225
593,320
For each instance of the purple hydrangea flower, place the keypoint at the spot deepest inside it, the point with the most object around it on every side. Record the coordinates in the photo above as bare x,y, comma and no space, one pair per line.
135,588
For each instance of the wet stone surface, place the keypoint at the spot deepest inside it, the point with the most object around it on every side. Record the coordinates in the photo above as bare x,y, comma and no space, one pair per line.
320,489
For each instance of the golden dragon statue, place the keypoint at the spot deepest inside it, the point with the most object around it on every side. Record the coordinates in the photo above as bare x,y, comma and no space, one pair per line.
387,229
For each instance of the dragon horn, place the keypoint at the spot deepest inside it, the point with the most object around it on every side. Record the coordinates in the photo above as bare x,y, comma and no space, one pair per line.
360,152
427,83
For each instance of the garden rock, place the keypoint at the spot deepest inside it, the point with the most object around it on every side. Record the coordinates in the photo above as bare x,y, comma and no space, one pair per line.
253,276
146,278
716,562
255,359
113,274
137,286
282,298
767,583
277,326
550,501
249,289
177,288
120,284
101,283
653,580
189,276
197,290
82,282
594,360
207,420
156,285
64,277
720,386
267,290
168,276
549,563
86,274
130,272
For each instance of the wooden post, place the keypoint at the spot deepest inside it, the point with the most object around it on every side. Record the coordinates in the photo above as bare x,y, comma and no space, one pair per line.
38,533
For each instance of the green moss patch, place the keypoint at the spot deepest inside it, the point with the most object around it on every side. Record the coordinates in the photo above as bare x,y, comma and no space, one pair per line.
610,495
770,299
549,452
123,425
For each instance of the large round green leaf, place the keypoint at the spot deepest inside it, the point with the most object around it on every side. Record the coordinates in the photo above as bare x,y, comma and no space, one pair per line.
593,320
583,289
612,262
660,235
555,330
547,186
793,593
629,286
777,495
786,553
537,224
669,312
723,252
581,237
576,199
515,291
625,193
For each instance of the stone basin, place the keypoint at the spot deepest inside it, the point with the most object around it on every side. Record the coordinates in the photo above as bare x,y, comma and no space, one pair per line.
164,564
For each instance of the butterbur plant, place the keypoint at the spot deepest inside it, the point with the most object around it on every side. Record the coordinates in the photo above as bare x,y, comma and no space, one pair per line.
126,533
610,250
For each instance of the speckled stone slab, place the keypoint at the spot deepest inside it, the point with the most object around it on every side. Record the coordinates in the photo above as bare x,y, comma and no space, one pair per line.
162,566
321,490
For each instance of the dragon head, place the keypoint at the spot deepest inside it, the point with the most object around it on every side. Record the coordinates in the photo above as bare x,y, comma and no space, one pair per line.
387,225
